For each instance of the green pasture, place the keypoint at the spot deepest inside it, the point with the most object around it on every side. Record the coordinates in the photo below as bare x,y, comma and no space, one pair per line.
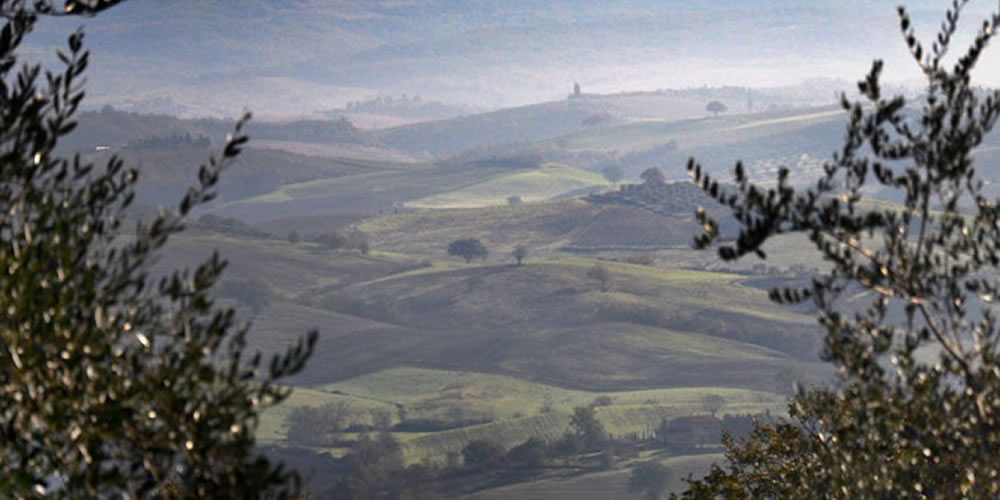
549,181
599,485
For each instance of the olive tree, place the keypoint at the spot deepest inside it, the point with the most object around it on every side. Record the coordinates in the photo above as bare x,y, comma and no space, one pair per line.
112,383
716,107
468,249
916,410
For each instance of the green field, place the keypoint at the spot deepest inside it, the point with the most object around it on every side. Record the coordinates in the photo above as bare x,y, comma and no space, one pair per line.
516,409
504,352
598,485
380,187
701,132
546,228
547,182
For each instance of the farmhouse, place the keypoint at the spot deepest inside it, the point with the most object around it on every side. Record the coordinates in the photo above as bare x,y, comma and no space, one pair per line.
690,432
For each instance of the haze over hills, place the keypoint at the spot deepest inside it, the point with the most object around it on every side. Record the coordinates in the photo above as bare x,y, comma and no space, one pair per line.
295,58
394,135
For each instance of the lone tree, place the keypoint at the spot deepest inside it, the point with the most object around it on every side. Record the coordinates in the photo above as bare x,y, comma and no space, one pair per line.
716,107
600,274
468,249
585,429
111,384
653,176
613,173
898,425
712,403
519,252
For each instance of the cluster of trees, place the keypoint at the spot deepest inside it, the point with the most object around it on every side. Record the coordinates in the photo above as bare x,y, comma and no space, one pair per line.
334,240
178,140
318,426
230,226
656,195
585,434
373,467
376,103
472,248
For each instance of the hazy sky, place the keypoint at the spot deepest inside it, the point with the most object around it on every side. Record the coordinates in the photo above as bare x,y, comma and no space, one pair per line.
298,56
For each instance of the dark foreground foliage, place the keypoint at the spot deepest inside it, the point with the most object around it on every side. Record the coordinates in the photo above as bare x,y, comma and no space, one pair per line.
916,410
112,384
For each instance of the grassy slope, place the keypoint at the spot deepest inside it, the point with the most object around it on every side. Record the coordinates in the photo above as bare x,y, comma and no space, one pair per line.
514,405
429,393
535,323
388,186
538,225
272,427
700,132
372,191
521,124
548,181
598,485
544,227
287,269
546,321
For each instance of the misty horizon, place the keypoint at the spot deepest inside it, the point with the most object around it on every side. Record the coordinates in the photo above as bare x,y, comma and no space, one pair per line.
216,58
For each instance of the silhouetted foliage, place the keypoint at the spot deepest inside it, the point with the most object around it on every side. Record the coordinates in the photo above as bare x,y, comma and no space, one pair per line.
111,385
908,305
